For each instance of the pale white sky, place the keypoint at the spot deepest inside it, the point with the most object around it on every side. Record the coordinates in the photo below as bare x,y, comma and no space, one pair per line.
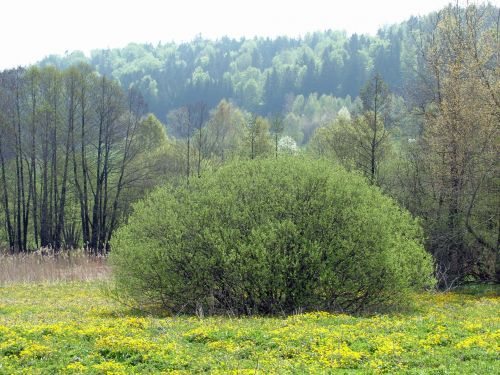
32,29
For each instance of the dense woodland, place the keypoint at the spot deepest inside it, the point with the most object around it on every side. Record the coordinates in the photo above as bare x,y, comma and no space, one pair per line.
415,109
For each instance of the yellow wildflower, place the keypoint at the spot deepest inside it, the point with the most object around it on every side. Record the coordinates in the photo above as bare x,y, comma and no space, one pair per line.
110,368
34,351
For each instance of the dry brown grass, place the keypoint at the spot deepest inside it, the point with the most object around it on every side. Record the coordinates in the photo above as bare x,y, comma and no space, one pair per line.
46,266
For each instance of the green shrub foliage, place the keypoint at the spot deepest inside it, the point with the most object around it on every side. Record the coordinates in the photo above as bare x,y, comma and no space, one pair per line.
270,236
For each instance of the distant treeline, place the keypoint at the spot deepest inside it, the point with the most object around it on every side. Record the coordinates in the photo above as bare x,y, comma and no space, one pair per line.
261,75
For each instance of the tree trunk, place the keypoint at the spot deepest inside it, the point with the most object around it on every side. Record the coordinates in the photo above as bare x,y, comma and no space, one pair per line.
8,223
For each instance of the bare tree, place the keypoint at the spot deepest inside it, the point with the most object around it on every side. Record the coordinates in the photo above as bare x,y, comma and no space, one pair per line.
277,127
181,121
376,105
197,116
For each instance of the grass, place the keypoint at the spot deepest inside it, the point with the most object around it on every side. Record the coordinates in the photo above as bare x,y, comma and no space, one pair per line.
72,328
46,266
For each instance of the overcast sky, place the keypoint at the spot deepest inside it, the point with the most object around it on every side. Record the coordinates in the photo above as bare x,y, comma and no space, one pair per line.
32,29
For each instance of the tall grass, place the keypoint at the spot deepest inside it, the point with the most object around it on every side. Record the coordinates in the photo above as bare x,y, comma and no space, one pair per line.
47,266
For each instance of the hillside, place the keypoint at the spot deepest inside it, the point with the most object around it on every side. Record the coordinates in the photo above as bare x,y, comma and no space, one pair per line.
260,75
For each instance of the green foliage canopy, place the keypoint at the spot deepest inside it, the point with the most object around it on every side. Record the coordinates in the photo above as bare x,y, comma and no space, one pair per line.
270,236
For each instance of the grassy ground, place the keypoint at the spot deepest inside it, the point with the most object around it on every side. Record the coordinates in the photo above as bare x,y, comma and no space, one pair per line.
72,328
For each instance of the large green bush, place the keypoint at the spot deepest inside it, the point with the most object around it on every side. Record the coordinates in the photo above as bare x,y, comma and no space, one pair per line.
270,236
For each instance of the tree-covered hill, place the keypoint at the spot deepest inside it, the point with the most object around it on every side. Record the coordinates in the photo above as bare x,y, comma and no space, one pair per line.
260,74
257,74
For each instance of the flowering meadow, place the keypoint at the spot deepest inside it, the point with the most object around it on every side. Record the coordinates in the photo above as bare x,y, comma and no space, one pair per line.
74,328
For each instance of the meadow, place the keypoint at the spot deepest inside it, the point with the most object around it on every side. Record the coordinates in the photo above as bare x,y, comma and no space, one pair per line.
75,328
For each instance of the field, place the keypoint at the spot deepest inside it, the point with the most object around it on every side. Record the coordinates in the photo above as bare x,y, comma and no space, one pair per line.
72,327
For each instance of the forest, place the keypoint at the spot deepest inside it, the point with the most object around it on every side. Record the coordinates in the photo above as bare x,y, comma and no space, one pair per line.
415,110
